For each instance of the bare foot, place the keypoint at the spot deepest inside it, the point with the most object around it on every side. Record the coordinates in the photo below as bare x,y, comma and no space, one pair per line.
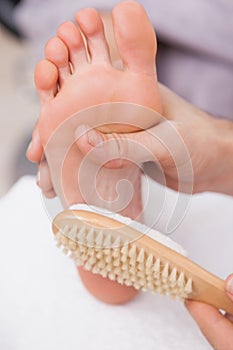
76,75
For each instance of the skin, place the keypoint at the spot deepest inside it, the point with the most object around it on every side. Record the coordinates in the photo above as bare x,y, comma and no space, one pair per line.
209,143
64,92
208,140
217,328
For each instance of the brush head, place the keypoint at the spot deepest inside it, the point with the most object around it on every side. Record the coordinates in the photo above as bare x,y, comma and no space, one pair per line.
115,249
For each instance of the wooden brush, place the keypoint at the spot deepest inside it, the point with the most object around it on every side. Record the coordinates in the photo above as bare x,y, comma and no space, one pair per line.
116,250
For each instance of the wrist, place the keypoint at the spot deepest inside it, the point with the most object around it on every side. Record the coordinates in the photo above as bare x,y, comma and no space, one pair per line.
224,159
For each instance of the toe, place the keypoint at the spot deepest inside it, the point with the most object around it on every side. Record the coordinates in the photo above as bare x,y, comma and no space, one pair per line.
46,78
135,37
57,52
44,180
92,27
35,149
71,36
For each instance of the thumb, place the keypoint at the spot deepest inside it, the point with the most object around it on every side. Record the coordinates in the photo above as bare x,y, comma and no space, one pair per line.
116,149
217,329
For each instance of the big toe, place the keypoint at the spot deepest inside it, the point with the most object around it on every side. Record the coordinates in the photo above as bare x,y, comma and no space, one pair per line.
135,37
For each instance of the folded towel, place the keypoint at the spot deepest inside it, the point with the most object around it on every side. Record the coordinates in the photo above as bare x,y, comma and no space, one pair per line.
45,306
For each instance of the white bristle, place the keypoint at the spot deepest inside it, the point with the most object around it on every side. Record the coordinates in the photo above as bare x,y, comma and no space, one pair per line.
81,235
117,271
112,276
92,260
99,253
65,230
133,255
125,267
165,273
128,283
72,233
156,268
149,262
124,252
101,264
108,241
79,262
109,267
117,242
172,277
108,258
103,273
141,274
137,286
90,237
181,281
188,286
63,239
119,260
72,245
116,253
99,238
88,266
125,275
141,267
95,269
141,256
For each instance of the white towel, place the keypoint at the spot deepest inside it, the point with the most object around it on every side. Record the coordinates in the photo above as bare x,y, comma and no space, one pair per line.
44,305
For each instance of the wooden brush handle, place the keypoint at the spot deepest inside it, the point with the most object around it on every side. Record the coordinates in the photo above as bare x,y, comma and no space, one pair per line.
206,287
210,289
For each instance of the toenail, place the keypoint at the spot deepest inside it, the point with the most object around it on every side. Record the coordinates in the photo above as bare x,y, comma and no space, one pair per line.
95,139
229,286
38,178
29,146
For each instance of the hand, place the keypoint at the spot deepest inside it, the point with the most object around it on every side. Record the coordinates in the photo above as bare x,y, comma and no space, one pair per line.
216,327
193,149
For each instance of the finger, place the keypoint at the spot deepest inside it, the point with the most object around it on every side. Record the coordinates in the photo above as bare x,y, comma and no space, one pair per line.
215,327
35,149
142,146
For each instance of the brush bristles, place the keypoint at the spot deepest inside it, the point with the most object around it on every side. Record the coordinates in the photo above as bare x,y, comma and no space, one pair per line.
110,255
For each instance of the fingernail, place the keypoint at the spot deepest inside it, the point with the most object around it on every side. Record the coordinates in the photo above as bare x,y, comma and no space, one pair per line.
94,138
229,317
81,130
229,286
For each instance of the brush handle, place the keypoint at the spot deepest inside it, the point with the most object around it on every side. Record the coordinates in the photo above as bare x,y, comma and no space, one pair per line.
206,287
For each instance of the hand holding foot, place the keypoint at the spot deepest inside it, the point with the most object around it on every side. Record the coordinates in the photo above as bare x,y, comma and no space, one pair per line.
192,149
